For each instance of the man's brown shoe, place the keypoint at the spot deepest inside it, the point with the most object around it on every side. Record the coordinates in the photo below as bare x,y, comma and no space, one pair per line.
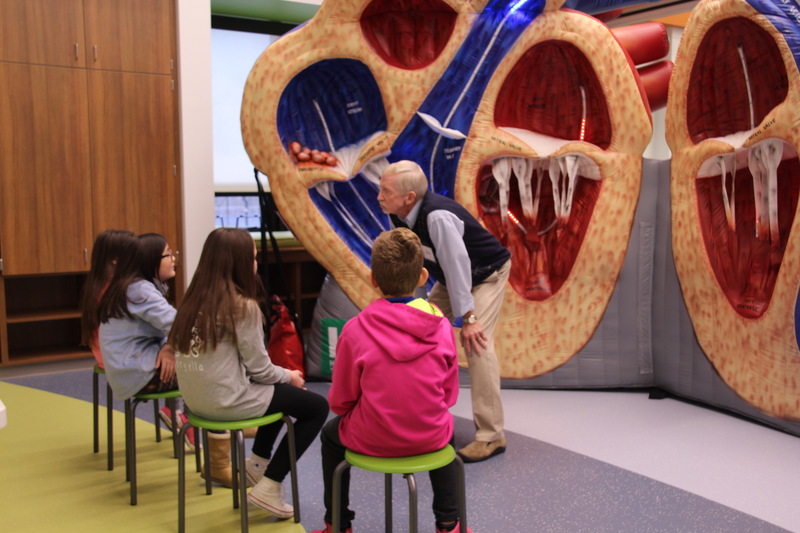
478,450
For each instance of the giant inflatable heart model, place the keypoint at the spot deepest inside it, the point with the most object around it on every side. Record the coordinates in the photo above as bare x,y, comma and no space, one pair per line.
531,116
733,122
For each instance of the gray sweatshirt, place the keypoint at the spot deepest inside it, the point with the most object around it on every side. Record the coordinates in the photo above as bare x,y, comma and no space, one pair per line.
233,381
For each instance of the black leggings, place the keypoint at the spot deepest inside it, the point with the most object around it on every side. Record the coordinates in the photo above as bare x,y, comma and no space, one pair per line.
309,410
156,385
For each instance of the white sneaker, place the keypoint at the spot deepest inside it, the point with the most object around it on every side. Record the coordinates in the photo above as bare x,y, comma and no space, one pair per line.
267,495
255,467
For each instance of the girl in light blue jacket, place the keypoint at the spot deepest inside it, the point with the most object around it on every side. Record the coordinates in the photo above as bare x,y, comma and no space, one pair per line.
135,318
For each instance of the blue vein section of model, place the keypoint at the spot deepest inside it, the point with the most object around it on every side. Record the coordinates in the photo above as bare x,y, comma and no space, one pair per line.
784,15
329,106
455,98
336,103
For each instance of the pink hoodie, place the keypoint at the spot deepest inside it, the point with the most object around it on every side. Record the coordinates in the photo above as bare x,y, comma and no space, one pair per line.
395,378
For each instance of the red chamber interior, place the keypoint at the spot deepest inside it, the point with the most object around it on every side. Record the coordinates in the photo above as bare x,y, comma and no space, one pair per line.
737,79
542,94
408,34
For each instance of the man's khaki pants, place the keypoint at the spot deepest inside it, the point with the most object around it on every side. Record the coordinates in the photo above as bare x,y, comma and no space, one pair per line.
484,373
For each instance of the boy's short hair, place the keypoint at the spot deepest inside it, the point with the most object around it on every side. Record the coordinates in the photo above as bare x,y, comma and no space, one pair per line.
397,261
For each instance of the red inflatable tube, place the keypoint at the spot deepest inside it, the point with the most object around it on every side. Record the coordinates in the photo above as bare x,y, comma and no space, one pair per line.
608,16
655,80
645,43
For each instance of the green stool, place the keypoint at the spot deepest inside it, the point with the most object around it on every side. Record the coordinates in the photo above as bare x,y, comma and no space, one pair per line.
130,430
407,466
109,414
239,478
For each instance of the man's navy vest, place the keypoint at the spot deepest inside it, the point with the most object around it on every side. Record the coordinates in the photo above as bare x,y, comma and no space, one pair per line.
485,252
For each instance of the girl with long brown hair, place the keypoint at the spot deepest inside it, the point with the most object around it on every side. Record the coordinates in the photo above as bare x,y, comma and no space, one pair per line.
224,368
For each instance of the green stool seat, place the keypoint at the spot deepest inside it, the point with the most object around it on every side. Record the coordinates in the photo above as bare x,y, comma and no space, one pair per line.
109,414
402,465
239,477
407,466
130,430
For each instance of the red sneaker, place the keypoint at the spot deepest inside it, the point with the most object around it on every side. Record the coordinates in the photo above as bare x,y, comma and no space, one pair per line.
190,433
166,416
456,529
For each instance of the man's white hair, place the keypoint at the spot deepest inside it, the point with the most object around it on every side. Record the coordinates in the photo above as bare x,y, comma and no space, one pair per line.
410,177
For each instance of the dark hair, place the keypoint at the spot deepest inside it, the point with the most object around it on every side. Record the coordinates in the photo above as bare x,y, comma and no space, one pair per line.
105,253
139,259
397,261
222,285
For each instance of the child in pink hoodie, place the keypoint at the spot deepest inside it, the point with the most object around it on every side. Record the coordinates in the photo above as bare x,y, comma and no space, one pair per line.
394,380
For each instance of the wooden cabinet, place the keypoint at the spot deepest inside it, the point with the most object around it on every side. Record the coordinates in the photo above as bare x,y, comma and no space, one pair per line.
42,32
134,176
88,129
44,172
129,35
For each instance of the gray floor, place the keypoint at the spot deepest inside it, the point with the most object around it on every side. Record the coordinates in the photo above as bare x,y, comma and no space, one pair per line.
576,461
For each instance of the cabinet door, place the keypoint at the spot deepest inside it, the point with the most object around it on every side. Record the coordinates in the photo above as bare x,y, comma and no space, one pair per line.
135,186
130,35
45,188
45,32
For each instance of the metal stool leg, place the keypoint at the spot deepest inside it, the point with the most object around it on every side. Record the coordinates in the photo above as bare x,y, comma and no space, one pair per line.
412,503
206,456
95,407
157,421
462,494
197,452
336,518
239,475
176,442
110,425
293,467
387,501
131,446
234,452
127,436
182,482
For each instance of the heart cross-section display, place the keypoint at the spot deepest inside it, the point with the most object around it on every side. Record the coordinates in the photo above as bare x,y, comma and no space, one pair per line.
732,116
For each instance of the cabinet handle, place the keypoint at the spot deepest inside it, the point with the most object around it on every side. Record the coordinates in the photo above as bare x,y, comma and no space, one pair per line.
85,256
94,50
76,52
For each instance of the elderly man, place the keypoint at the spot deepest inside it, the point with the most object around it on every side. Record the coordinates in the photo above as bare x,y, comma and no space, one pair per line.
471,270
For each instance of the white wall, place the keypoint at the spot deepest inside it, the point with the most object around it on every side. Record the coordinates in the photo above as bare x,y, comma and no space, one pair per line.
233,54
194,86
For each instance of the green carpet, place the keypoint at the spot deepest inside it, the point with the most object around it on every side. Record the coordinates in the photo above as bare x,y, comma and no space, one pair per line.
50,481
